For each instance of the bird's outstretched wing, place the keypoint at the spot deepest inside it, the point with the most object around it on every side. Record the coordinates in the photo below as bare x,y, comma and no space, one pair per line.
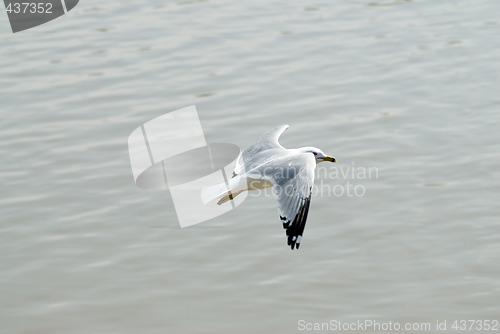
293,179
249,158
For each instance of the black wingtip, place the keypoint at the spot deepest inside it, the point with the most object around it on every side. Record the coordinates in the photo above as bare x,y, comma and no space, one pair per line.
293,243
295,230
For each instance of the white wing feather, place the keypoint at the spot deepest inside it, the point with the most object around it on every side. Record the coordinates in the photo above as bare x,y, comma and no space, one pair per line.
251,156
293,179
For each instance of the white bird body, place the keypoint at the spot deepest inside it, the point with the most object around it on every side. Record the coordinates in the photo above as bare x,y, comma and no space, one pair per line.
266,164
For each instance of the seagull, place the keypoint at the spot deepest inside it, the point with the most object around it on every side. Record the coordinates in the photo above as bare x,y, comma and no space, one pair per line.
290,172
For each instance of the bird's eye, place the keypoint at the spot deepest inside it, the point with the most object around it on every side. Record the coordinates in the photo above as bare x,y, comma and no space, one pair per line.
315,153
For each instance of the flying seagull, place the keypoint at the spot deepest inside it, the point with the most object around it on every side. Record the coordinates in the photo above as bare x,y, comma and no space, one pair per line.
290,172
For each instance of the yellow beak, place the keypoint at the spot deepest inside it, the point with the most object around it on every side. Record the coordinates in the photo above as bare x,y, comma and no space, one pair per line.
329,158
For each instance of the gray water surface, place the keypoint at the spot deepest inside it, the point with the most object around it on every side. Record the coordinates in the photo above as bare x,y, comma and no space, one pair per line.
410,88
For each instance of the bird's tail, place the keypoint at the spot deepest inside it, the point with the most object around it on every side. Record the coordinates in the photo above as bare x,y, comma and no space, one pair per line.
216,192
222,192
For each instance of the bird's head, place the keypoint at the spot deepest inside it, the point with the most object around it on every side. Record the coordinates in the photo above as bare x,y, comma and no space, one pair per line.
318,154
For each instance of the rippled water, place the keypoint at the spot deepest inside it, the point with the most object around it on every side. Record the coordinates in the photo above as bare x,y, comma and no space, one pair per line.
408,87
